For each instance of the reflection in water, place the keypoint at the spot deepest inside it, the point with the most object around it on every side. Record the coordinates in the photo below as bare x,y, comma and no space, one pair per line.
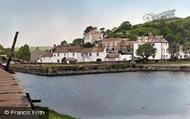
135,95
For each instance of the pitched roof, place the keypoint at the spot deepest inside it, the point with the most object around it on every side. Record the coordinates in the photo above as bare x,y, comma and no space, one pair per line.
47,54
68,49
97,49
78,49
152,39
127,43
109,40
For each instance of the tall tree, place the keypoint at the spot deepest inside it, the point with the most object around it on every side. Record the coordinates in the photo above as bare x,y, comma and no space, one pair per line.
171,38
173,50
125,26
88,45
64,43
1,49
78,41
24,53
88,29
145,51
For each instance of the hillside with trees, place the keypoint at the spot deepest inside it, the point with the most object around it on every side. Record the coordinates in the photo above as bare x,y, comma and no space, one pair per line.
175,29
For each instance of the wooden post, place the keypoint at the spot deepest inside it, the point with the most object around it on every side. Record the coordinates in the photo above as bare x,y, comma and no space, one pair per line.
32,101
12,52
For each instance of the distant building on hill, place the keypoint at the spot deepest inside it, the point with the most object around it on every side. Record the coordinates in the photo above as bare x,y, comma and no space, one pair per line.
93,36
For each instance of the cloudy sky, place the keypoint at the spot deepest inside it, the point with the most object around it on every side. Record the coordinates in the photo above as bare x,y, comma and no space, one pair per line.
48,22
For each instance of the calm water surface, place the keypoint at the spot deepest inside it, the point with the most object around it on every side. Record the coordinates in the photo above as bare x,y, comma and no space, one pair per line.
135,95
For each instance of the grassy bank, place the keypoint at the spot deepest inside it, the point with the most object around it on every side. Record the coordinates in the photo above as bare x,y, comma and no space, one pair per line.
55,115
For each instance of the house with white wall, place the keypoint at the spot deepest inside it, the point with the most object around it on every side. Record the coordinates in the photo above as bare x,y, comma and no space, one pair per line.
46,57
93,54
158,42
76,53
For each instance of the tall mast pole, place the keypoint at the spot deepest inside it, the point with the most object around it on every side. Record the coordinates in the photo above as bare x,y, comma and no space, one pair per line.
12,52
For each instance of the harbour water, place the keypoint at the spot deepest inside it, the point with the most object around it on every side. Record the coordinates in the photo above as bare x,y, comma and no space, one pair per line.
130,95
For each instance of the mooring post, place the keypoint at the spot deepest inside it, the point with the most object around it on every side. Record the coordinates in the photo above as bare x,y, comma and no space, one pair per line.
12,52
32,101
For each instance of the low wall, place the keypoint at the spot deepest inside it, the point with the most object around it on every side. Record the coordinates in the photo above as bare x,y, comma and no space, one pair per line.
76,69
56,70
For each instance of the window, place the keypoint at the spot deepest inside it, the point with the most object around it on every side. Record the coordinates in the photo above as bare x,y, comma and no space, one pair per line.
58,61
73,54
97,54
58,54
90,54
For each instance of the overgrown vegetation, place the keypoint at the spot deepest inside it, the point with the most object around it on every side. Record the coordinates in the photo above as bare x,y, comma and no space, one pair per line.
146,50
53,114
23,53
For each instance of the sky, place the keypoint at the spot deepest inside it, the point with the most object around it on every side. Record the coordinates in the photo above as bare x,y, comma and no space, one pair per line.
48,22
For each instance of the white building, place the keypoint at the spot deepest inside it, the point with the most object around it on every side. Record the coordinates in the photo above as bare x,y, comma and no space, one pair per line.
62,54
158,42
93,36
46,58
